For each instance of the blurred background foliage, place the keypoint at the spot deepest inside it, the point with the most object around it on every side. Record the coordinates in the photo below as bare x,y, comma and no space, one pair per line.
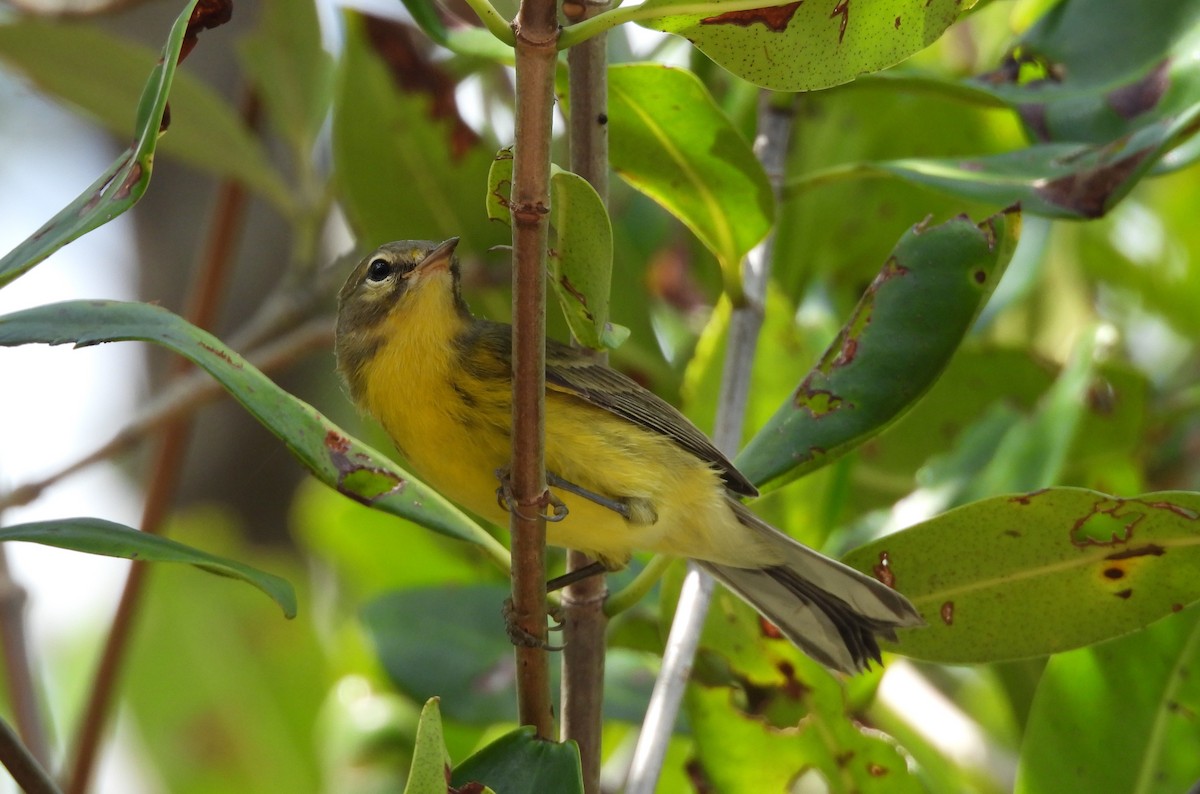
349,127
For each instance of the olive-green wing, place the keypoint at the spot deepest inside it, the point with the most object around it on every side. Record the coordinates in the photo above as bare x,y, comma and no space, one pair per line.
571,371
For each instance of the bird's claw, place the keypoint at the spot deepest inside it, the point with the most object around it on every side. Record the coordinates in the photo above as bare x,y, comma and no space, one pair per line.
521,638
508,502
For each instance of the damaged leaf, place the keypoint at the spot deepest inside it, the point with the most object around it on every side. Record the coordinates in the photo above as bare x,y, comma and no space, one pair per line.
333,456
891,350
1013,577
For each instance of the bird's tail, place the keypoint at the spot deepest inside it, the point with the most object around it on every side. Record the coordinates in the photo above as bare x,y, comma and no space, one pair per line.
831,611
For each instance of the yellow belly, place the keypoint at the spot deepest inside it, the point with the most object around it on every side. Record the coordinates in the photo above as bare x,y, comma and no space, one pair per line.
455,436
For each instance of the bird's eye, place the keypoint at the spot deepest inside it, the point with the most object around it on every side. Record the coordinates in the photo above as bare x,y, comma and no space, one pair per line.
379,270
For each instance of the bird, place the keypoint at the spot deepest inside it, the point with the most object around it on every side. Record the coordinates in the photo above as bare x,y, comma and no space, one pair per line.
631,471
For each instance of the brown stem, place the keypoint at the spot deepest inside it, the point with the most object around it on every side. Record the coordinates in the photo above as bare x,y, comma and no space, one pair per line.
23,767
22,689
207,287
584,621
536,29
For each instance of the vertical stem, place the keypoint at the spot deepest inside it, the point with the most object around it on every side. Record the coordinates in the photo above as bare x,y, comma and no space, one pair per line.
202,303
584,621
536,29
775,113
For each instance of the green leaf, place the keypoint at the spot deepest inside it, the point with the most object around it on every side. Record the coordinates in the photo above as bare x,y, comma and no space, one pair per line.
580,261
336,458
104,75
401,170
671,141
431,763
120,187
1138,694
580,257
898,341
743,753
1061,180
292,72
97,536
1095,70
519,761
799,46
1018,576
472,654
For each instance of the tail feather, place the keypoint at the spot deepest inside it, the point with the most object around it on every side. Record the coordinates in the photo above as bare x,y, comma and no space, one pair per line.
831,611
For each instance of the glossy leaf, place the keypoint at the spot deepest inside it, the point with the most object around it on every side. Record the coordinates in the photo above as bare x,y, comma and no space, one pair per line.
1055,179
800,46
671,141
1095,70
97,536
469,660
1013,577
519,761
336,458
105,75
1139,694
118,188
431,763
580,257
895,345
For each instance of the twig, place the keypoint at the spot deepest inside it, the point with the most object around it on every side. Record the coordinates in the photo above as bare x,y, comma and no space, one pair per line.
23,767
536,30
774,130
203,301
584,618
22,690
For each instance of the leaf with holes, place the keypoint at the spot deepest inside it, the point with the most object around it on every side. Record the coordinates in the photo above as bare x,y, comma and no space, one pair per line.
803,46
895,345
1018,576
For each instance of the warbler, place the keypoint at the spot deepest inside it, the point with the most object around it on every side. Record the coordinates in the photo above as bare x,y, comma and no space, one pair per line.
631,470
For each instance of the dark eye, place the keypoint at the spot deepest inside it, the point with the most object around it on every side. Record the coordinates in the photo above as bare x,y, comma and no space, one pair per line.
379,270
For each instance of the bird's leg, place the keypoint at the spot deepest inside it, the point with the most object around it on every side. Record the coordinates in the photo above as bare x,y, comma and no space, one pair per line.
632,509
578,575
506,500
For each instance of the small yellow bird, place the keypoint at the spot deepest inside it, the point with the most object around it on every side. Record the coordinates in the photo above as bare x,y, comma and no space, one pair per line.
632,471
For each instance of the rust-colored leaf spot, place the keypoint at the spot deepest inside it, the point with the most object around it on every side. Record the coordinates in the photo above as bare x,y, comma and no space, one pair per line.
776,18
1150,549
1088,190
1012,533
980,276
130,181
1171,507
337,443
873,769
842,9
1124,594
792,687
207,14
221,354
1176,607
897,23
1114,573
843,759
1132,100
947,613
1026,499
883,570
817,402
769,629
468,788
1108,523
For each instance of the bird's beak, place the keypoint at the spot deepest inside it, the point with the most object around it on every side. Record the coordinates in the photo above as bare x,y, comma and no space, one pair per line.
439,258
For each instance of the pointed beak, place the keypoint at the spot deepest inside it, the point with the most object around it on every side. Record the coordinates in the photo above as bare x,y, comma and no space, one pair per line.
439,258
